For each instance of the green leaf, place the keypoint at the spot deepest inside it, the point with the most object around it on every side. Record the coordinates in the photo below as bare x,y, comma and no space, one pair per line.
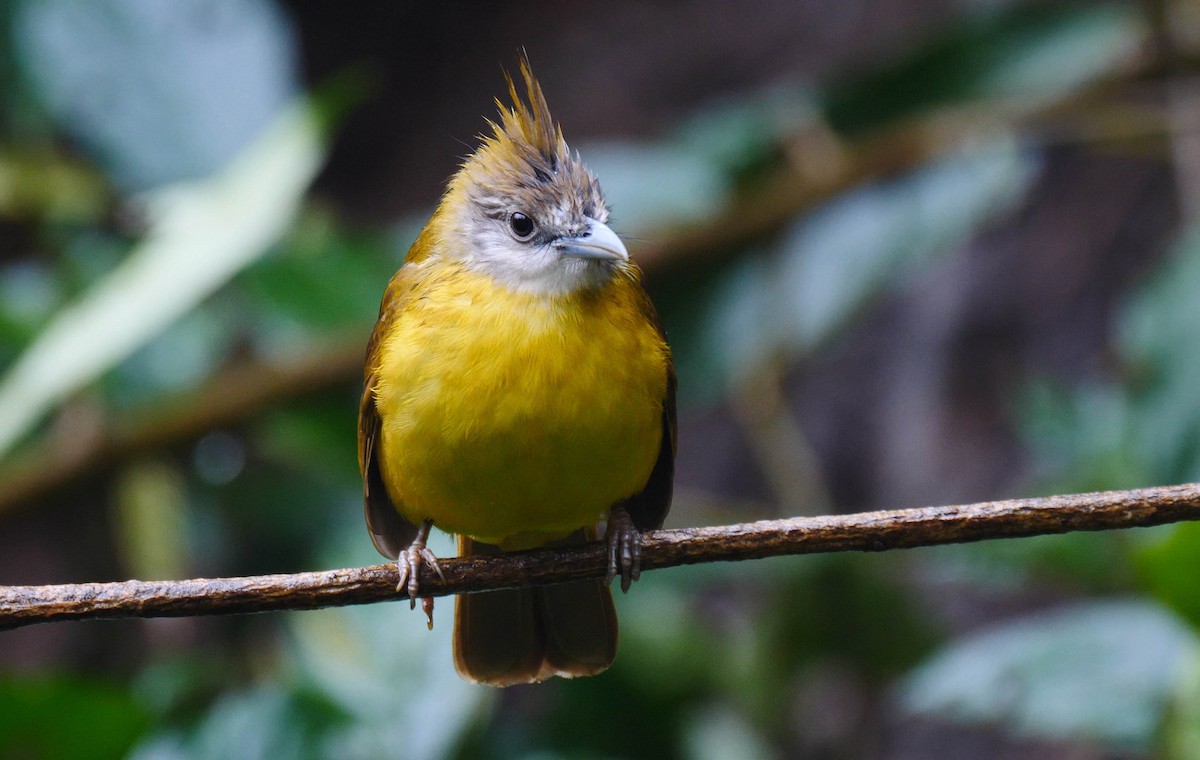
1181,732
179,359
66,717
651,187
718,733
746,135
1083,439
393,678
727,321
1032,54
1069,562
1160,319
40,183
29,293
1144,426
1101,672
159,92
1170,568
150,519
257,724
322,280
200,235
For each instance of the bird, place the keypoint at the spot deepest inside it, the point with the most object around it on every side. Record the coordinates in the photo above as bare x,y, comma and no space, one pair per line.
519,391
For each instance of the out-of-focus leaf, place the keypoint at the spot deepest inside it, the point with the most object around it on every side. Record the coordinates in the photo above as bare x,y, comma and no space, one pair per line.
1097,562
1081,439
739,137
838,607
655,185
718,733
19,113
43,184
1156,335
322,280
1181,732
259,724
840,255
150,519
663,642
200,235
363,682
159,90
270,518
179,359
833,261
392,677
29,293
1170,567
86,256
1146,429
1032,54
1099,672
742,633
691,174
177,684
318,437
66,718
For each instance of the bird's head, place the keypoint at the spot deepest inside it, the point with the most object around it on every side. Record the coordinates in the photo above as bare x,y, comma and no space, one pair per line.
525,210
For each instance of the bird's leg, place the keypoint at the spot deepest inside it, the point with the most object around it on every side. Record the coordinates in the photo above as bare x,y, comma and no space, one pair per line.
410,560
624,547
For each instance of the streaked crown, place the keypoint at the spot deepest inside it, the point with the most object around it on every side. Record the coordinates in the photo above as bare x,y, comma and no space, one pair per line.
526,160
527,210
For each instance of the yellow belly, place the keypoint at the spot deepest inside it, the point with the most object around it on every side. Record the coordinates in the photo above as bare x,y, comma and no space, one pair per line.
517,418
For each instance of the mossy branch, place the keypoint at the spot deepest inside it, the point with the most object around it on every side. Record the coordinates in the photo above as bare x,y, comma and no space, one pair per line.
867,531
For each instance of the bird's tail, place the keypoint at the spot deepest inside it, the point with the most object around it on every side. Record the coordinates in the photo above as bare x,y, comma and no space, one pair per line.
526,635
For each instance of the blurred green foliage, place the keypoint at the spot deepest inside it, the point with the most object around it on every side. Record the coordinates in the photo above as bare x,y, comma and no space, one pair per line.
714,660
67,717
1101,672
1038,54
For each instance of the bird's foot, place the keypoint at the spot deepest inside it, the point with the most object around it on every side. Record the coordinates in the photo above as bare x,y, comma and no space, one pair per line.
409,564
624,547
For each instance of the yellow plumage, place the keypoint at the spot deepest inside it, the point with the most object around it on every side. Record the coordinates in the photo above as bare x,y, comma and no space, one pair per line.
514,418
517,388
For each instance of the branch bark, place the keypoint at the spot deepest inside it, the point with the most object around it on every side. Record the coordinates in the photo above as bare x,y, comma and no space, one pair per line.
867,531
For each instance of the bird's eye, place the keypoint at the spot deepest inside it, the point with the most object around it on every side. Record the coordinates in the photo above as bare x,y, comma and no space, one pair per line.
521,225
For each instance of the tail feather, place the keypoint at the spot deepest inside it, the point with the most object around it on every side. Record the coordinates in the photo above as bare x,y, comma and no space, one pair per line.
528,635
580,626
496,636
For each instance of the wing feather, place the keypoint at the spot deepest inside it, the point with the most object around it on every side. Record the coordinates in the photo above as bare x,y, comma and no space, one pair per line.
649,508
389,531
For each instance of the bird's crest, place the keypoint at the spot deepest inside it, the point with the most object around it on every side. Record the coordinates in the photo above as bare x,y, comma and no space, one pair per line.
527,125
525,164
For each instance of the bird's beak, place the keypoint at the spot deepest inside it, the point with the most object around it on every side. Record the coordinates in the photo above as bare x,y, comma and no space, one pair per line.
599,242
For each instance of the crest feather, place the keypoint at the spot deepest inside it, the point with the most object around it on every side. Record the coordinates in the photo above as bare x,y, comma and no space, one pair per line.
525,163
527,126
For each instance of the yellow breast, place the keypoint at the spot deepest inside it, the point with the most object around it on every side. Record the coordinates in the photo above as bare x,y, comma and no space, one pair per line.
516,418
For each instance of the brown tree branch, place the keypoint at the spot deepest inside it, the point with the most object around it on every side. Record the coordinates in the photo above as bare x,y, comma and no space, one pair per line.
229,398
867,531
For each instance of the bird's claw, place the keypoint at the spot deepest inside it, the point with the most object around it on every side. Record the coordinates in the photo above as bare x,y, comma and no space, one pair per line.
624,548
408,564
